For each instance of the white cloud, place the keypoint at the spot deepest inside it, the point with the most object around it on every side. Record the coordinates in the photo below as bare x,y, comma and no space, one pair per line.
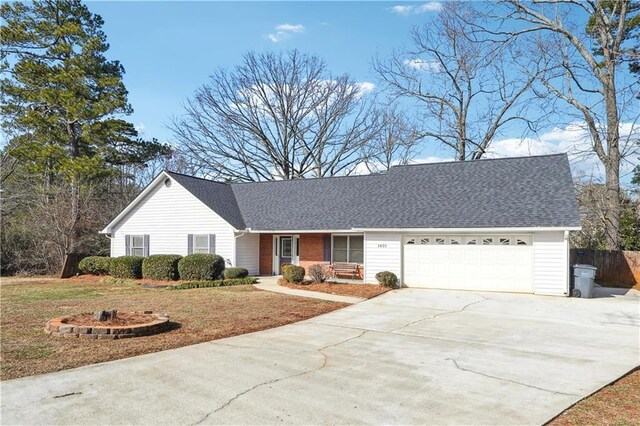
573,139
422,65
366,87
284,32
140,127
432,6
297,28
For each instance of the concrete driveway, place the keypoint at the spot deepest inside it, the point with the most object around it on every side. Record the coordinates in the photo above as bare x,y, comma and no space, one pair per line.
410,357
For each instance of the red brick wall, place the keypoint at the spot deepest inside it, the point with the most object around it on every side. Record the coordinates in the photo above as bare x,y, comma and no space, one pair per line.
311,249
311,252
266,254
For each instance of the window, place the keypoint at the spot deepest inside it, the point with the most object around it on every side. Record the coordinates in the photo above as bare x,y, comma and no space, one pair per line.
487,241
505,241
471,241
349,248
440,241
454,241
137,245
201,243
424,241
522,242
411,241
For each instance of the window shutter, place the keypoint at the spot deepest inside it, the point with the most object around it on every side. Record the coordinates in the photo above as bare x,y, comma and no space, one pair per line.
127,245
190,244
212,243
327,248
146,245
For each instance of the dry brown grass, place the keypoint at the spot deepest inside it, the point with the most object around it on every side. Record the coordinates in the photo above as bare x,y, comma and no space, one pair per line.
365,291
616,404
203,314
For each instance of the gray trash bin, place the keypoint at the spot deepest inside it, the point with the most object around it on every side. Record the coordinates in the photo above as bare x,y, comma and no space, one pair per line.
583,276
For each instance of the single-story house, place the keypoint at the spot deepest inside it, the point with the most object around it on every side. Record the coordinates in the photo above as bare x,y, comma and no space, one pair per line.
490,225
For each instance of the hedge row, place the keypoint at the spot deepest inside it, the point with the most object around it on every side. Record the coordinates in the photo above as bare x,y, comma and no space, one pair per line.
216,283
194,267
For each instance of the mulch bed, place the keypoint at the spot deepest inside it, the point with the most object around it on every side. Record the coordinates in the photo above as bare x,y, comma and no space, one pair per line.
365,291
122,319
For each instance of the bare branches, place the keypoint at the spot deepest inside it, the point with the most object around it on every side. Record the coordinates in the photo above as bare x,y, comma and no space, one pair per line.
276,117
582,70
457,79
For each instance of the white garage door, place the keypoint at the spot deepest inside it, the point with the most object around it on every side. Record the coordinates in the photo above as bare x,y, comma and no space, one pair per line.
469,262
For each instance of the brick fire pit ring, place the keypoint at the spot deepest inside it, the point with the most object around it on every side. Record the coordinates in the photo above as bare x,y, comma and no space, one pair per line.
63,328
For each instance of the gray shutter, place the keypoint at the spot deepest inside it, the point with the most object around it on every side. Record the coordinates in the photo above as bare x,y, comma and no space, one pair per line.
212,243
327,248
127,245
146,245
190,244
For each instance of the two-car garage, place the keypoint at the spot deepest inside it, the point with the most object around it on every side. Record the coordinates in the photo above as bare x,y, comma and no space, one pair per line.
469,262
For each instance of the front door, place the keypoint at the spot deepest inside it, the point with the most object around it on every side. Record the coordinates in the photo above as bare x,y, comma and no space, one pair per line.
285,251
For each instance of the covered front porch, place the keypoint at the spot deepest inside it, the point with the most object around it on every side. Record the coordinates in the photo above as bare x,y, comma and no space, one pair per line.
305,249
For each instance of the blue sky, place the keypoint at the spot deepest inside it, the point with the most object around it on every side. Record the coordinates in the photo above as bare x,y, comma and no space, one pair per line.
170,48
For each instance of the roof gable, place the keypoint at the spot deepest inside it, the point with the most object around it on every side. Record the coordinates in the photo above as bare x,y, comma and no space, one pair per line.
525,192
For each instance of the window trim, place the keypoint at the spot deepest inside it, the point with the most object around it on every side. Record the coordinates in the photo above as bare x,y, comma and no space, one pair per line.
348,236
132,247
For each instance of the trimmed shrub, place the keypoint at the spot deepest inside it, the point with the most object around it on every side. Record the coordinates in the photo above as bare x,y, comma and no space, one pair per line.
218,283
318,272
126,267
387,279
201,266
95,265
232,273
283,267
161,267
293,274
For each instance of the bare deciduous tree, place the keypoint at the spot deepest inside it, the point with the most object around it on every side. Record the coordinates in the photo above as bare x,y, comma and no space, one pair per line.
395,144
464,89
276,116
583,70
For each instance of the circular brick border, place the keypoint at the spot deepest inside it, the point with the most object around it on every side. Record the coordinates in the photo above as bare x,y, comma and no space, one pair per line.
59,327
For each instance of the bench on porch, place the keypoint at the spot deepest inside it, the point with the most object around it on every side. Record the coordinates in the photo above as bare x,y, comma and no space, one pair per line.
344,268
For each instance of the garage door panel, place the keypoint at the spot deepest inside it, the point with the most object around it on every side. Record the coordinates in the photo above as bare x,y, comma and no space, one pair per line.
494,263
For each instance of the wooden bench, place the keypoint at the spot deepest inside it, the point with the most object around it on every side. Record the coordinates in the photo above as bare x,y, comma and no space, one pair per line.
345,268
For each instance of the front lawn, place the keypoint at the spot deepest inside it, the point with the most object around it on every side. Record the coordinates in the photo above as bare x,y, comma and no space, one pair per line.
203,314
616,404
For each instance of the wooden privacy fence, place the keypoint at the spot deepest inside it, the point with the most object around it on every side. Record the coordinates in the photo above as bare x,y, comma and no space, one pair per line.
614,267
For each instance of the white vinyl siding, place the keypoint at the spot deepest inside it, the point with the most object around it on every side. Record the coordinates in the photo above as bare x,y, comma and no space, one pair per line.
551,254
381,253
168,214
248,252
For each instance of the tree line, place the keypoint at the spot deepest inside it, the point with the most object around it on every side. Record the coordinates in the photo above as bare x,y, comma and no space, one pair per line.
71,160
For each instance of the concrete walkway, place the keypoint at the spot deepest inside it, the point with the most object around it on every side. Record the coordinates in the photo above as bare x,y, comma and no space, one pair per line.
270,283
405,357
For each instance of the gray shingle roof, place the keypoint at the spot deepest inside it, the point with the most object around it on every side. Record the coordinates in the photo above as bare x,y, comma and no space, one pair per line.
510,192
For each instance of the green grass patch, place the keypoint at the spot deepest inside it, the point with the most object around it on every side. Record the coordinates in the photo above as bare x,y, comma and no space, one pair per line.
186,285
117,281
